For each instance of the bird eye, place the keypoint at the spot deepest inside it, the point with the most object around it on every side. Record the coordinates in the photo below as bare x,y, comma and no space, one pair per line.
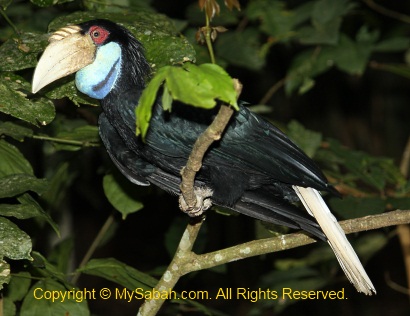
98,34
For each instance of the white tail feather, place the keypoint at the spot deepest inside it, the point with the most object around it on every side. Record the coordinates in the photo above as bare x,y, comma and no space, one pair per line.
345,254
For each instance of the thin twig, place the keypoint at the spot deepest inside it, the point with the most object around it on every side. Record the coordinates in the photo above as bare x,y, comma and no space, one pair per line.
96,242
390,13
396,287
4,15
66,141
403,231
208,39
272,90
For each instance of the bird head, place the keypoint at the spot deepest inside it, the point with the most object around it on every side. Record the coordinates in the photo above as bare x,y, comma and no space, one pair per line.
105,56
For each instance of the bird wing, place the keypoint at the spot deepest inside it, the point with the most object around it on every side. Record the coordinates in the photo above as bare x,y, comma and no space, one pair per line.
130,165
250,145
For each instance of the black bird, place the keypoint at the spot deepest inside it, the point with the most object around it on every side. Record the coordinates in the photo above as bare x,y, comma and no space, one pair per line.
254,169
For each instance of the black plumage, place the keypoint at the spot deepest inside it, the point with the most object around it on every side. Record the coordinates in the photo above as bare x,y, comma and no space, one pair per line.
254,169
251,170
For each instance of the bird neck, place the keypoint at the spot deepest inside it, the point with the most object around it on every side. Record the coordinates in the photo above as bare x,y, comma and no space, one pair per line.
120,103
98,79
134,72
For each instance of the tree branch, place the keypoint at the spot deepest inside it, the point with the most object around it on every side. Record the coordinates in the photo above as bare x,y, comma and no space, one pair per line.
176,268
202,144
186,261
285,242
174,271
194,163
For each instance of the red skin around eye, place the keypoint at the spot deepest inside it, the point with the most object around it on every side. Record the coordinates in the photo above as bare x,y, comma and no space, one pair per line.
98,34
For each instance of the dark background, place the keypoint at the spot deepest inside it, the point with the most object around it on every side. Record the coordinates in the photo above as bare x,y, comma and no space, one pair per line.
369,113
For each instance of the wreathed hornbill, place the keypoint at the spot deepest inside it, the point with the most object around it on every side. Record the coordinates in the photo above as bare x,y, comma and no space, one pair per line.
254,169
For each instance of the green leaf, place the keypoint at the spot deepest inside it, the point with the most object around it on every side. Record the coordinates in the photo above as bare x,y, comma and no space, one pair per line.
60,181
307,140
61,255
16,131
143,112
16,184
122,194
15,102
48,3
242,49
15,244
12,161
325,11
16,177
18,286
326,19
321,34
351,207
22,52
210,83
20,211
35,303
360,167
48,269
276,20
27,209
30,208
166,100
349,56
392,44
9,308
4,272
120,273
305,66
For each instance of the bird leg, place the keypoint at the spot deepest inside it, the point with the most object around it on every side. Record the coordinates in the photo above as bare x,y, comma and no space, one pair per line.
203,202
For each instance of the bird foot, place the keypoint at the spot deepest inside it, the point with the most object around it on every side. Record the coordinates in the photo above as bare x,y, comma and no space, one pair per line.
203,202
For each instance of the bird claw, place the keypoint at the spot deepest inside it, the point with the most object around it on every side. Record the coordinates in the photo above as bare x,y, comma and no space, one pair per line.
203,202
